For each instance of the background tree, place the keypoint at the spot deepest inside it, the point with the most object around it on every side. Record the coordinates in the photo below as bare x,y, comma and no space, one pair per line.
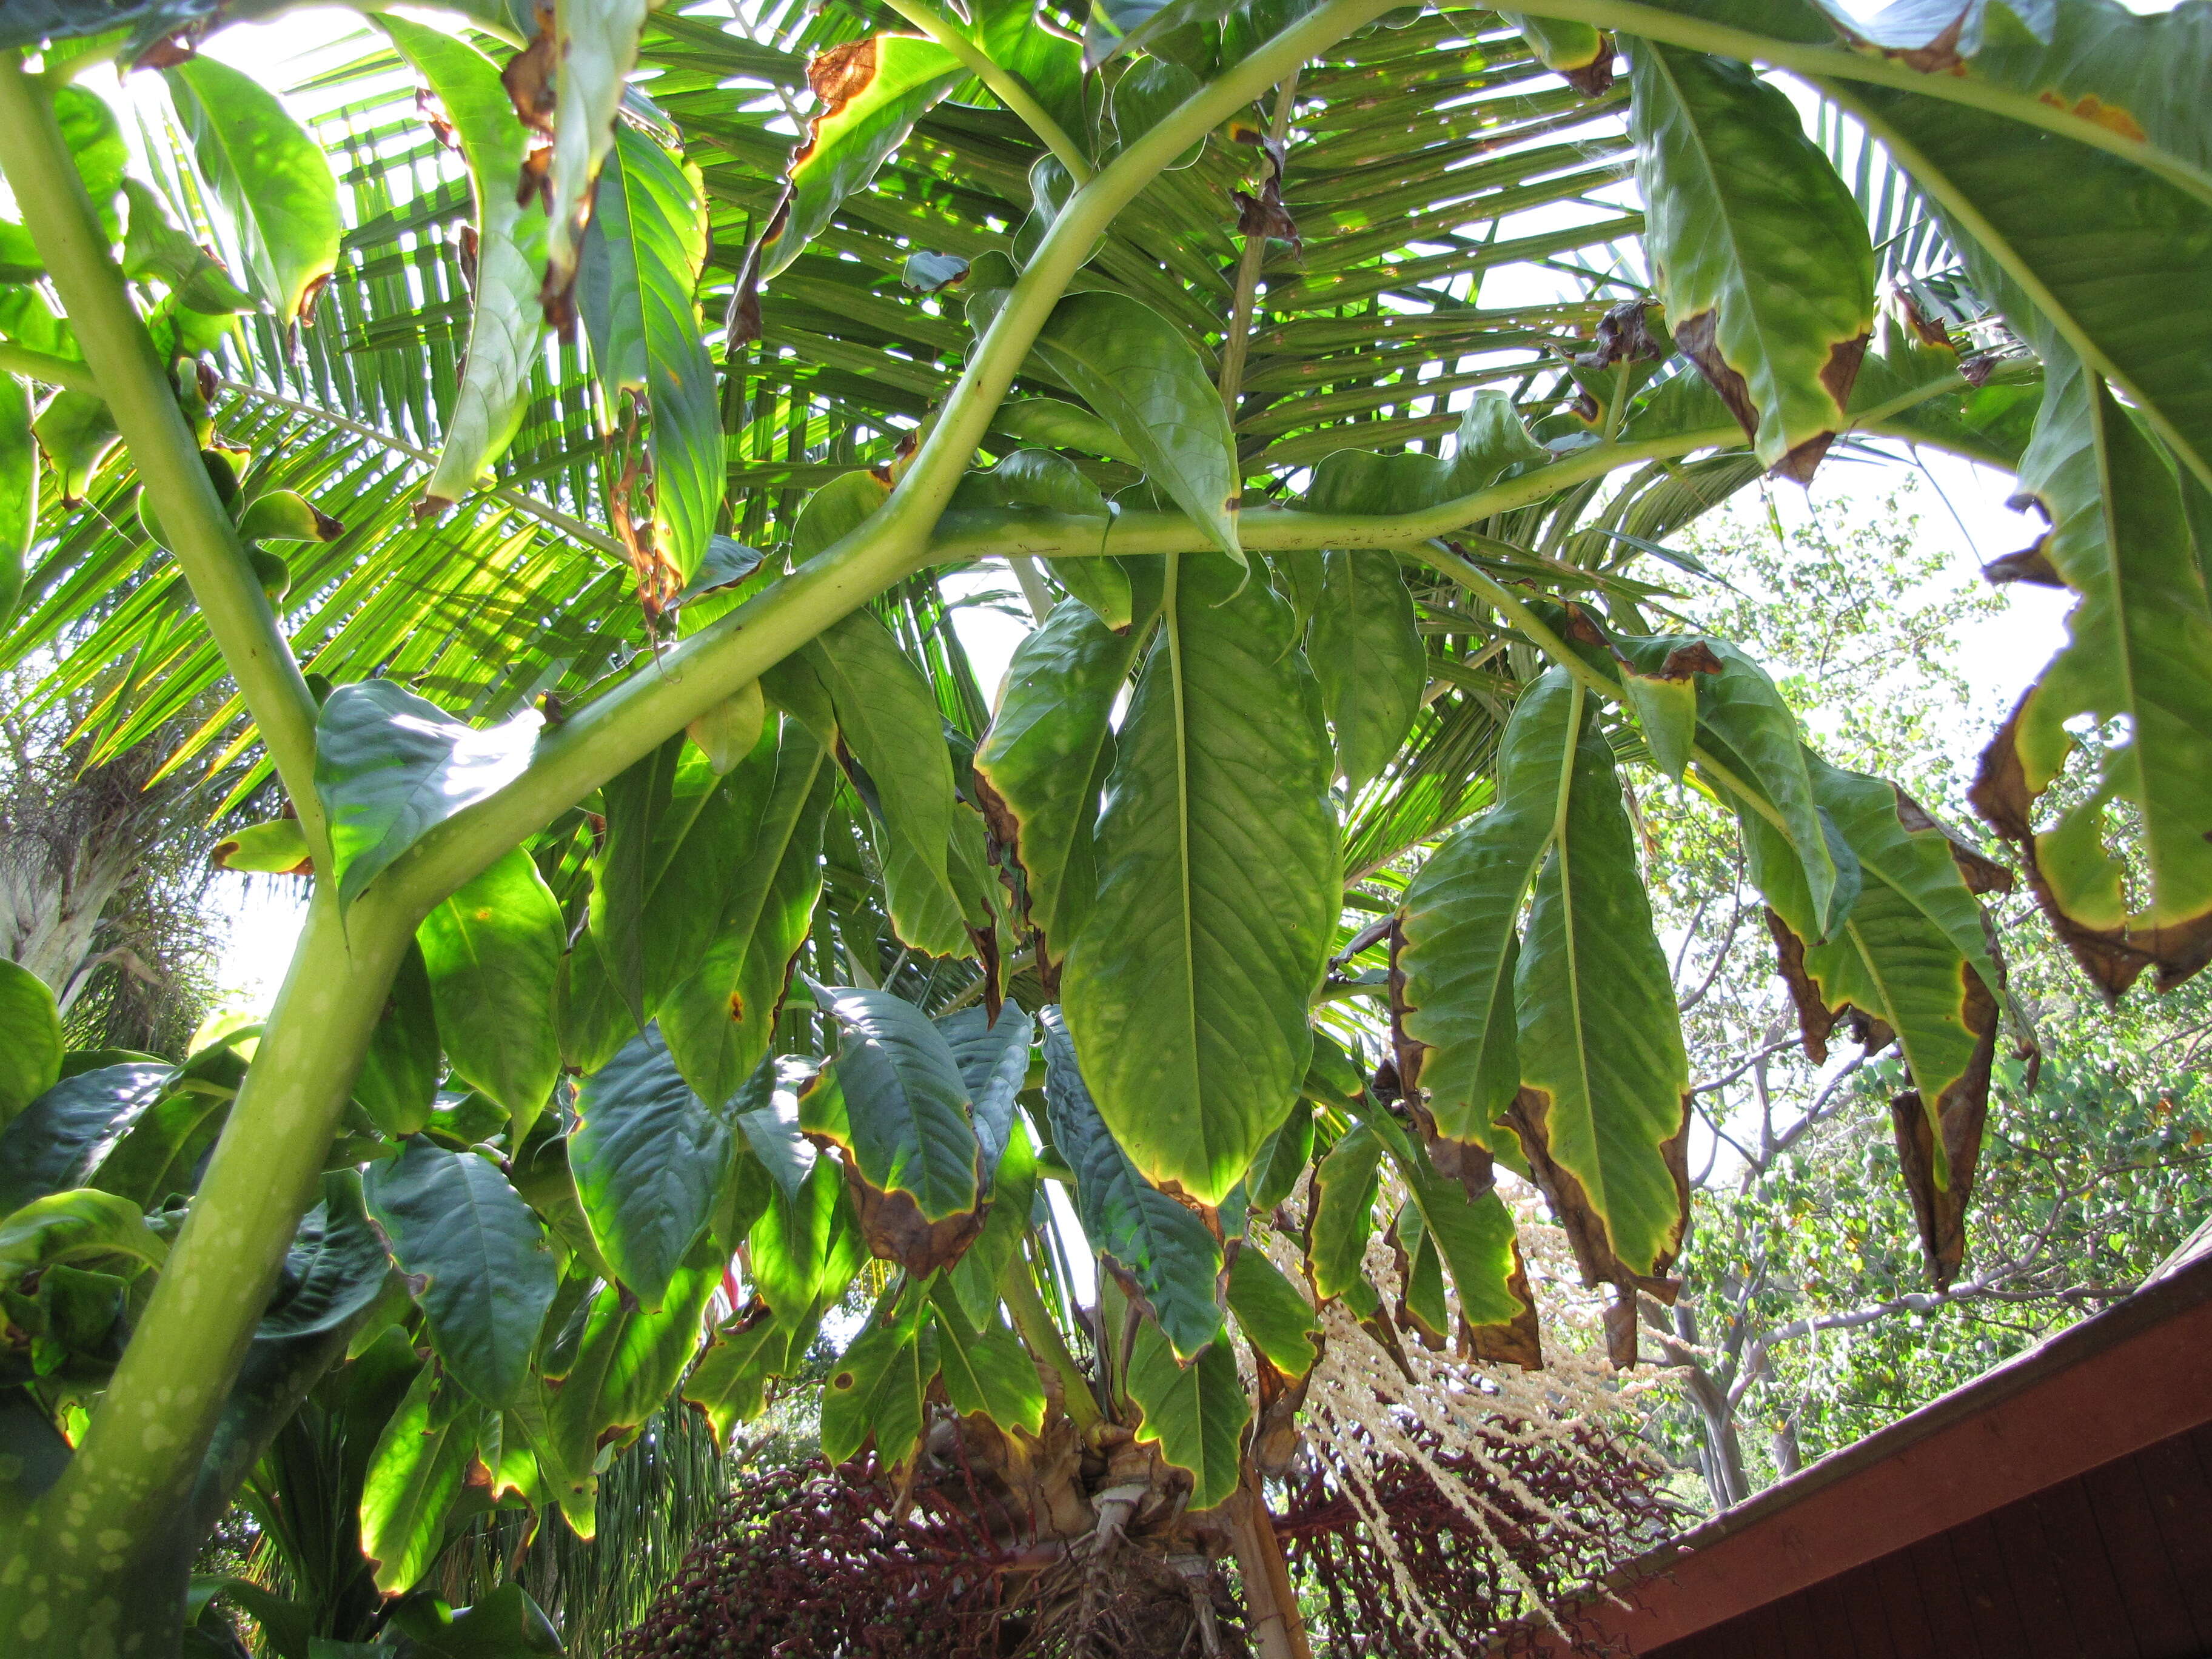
684,902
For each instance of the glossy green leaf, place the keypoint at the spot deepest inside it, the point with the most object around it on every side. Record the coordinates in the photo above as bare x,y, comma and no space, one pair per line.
1602,1064
1421,1274
492,952
415,1476
278,848
1041,765
95,142
870,93
988,1371
506,320
876,1384
993,1058
1367,652
640,267
76,1226
2139,653
628,1363
2105,250
1473,1237
1491,441
390,766
908,1132
269,175
161,1154
476,1261
730,1383
30,1039
887,721
658,876
1273,1314
974,1278
1163,1253
1343,1216
399,1075
1195,1413
1459,926
1281,1164
1187,992
792,1241
1759,254
592,49
648,1158
61,1136
1142,376
77,433
1148,91
18,491
1063,426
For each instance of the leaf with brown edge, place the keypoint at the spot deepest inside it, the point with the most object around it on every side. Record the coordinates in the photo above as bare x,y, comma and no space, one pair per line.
1518,1342
1530,1119
871,92
1939,1147
1758,250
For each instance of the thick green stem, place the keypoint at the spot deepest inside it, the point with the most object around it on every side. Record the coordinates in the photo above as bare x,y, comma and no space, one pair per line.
132,378
100,1568
1005,85
1826,60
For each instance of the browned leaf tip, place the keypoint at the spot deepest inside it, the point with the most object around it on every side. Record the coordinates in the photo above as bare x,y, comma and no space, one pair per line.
1594,78
534,182
1981,873
431,508
468,249
2030,564
1816,1021
836,77
1694,336
2114,957
1585,1229
434,113
1684,660
1520,1340
1624,335
178,47
1620,1321
1931,331
1275,1437
528,76
1839,374
896,1230
1265,215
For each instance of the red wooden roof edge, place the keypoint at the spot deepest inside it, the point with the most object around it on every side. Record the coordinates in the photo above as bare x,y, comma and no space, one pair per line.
2129,1377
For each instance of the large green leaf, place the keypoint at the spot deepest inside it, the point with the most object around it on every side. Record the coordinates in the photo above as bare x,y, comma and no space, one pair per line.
475,1259
30,1039
640,267
1342,1218
415,1476
18,491
585,50
161,1154
663,864
390,765
1273,1314
876,1386
986,1370
1473,1235
719,1019
399,1075
870,92
1187,991
1196,1413
271,176
2139,654
1459,928
1165,1256
1490,440
649,1160
506,320
1043,763
907,1131
993,1058
1761,257
59,1139
888,732
1366,651
71,1225
1604,1074
492,952
1142,376
2106,251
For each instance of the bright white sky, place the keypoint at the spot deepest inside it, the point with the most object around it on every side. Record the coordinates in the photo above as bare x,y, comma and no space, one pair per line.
1964,515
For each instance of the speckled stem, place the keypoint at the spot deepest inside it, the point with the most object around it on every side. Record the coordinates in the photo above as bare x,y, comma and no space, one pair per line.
99,1569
